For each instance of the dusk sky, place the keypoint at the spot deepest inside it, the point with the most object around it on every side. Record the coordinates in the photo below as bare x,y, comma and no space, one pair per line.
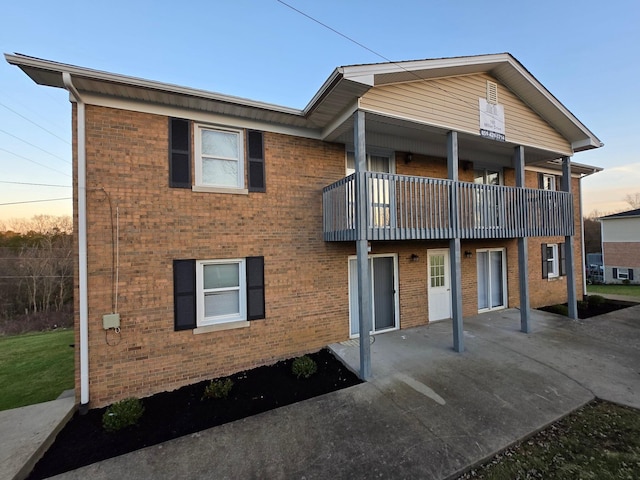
585,53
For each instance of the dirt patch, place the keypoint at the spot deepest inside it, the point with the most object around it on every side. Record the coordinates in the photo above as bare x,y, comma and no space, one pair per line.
173,414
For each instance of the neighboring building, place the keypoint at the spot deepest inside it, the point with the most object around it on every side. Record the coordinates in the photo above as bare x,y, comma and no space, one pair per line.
621,247
216,234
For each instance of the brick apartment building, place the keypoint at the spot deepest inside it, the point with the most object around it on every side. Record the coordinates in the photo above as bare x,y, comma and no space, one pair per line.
215,234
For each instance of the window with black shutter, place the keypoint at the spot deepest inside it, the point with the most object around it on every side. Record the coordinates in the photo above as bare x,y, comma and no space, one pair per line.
562,261
257,180
179,153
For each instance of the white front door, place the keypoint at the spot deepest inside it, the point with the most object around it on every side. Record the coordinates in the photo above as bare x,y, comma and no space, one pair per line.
439,284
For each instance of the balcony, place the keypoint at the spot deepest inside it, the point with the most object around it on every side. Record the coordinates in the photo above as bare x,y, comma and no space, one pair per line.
401,207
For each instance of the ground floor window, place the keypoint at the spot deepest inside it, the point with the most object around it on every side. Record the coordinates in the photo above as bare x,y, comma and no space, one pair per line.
623,273
492,279
553,260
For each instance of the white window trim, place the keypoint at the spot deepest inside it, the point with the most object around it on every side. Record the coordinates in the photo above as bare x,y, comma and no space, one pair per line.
200,186
553,264
622,275
241,316
547,176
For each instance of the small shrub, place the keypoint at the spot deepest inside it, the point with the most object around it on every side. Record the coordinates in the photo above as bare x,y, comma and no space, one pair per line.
626,281
595,300
122,414
304,367
559,309
218,388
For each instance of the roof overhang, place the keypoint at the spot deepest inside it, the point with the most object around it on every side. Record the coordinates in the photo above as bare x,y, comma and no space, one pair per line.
330,108
504,67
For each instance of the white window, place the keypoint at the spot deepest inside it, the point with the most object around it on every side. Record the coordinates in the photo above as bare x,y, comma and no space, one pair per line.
219,158
553,270
221,291
548,182
623,274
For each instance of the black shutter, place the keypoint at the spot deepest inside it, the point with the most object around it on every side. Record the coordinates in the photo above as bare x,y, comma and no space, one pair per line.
257,181
631,274
615,273
179,153
562,261
541,181
184,294
545,264
255,288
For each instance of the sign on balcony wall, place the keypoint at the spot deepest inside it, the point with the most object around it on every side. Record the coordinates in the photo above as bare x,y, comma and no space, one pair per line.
491,120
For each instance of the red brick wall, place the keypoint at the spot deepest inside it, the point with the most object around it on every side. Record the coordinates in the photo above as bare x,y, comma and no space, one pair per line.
306,278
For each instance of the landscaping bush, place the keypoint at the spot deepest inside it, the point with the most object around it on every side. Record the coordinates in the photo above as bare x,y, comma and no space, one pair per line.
558,309
595,300
122,414
218,388
304,367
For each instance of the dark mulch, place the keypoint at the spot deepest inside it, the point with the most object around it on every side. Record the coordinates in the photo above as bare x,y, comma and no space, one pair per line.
173,414
587,310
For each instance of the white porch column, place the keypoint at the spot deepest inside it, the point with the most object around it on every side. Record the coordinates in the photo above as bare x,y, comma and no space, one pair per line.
362,254
523,248
568,246
454,247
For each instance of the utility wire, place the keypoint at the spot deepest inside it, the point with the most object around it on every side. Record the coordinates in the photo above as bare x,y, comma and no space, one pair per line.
33,161
36,184
34,123
451,94
36,201
35,146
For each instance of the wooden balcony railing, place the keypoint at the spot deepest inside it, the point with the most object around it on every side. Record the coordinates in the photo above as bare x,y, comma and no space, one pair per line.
400,207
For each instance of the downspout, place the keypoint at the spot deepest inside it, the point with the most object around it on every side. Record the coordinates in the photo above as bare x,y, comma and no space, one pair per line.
82,243
584,257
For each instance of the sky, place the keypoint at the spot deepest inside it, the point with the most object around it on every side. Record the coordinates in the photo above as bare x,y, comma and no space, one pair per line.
585,52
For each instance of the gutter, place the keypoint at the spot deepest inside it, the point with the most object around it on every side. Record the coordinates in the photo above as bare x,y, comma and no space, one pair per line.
82,242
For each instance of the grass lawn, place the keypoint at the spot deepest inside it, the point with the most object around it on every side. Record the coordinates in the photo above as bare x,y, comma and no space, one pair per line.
35,367
629,290
599,441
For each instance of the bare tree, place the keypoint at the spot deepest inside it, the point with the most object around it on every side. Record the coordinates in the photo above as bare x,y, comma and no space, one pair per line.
633,200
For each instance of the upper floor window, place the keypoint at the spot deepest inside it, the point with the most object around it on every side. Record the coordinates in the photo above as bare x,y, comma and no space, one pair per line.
486,176
548,182
219,158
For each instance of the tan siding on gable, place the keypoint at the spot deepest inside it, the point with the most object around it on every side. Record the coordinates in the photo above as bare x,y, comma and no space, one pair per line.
452,103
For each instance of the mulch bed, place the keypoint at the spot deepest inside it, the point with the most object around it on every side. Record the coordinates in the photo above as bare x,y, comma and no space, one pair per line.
173,414
588,311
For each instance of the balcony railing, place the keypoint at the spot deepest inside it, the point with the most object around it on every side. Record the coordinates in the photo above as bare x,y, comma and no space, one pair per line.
401,207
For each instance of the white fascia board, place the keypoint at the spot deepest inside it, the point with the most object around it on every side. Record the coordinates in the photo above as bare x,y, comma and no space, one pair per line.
198,116
99,75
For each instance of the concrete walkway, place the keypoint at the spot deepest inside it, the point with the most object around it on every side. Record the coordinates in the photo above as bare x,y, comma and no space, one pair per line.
27,432
428,412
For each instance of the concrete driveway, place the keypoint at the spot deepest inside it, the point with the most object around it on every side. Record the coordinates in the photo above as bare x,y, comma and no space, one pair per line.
428,412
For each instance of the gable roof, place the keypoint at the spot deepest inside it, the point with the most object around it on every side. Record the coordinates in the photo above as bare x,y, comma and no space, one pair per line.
629,213
340,91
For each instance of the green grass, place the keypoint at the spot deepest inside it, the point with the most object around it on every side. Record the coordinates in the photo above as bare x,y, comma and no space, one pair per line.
629,290
600,441
35,367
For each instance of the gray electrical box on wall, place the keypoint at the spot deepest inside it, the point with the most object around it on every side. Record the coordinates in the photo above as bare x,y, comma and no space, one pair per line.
111,320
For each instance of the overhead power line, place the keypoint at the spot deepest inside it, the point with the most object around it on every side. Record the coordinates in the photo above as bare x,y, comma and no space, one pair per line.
444,90
36,184
33,161
36,201
36,124
35,146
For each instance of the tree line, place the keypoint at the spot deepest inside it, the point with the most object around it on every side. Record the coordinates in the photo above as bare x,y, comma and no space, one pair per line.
36,266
